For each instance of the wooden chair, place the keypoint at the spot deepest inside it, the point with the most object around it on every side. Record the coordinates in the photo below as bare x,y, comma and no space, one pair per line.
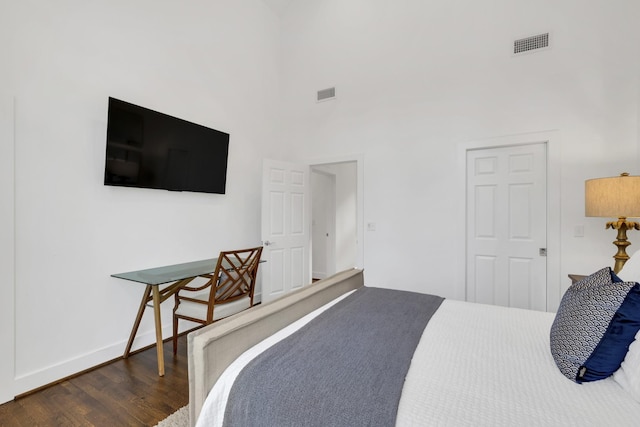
228,290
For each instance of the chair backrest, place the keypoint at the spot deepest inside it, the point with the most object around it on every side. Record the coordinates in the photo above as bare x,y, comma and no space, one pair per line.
236,273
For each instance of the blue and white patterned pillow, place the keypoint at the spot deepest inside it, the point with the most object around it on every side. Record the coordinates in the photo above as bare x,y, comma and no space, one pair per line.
596,322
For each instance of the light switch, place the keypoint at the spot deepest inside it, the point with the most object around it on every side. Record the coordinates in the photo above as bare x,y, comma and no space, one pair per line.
578,231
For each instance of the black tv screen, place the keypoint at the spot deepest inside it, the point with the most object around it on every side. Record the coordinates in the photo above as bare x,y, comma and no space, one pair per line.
149,149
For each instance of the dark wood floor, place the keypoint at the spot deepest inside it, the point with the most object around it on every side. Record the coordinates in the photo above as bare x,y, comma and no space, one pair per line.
123,393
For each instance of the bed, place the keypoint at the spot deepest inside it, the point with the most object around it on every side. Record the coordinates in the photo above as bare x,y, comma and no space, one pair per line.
472,364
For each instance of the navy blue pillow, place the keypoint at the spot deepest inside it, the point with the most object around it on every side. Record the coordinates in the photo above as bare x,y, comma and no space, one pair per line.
596,322
613,347
614,277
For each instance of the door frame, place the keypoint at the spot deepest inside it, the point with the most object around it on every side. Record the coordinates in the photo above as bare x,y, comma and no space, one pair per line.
359,160
552,140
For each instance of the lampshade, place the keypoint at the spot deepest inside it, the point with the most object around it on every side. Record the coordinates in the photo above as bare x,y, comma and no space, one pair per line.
613,197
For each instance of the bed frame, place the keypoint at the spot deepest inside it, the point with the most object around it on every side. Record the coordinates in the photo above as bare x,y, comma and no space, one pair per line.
212,348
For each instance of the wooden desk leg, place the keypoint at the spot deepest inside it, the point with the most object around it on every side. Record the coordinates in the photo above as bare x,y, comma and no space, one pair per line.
136,324
156,315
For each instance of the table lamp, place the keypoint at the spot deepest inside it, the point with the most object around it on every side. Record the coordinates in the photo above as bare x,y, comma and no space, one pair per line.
617,197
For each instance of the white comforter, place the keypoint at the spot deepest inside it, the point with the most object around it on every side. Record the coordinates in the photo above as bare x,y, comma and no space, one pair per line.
479,365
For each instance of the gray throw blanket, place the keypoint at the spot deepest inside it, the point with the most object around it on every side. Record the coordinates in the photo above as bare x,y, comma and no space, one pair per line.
344,368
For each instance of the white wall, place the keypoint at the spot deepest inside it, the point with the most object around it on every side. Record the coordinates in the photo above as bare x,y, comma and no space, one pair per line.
415,79
213,63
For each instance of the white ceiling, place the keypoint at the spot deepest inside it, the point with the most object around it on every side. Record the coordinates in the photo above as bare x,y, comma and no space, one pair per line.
278,6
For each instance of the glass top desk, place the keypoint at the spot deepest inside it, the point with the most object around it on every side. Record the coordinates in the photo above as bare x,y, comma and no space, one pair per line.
178,275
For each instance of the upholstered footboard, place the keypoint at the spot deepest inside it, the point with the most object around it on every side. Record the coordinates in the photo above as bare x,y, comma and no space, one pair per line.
212,348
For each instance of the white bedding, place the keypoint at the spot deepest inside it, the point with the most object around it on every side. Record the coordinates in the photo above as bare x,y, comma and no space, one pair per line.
485,365
479,365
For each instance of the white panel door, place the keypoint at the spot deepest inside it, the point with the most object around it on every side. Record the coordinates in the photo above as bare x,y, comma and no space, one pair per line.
507,226
286,235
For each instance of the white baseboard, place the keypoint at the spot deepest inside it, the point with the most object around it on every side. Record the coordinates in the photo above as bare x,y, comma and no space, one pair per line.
32,380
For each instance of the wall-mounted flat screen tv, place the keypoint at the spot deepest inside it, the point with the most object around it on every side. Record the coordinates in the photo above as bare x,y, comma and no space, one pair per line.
148,149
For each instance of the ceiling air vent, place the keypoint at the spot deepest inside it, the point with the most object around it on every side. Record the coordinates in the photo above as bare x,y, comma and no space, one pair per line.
531,43
326,94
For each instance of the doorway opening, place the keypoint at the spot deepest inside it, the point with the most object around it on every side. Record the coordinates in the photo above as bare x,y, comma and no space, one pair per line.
336,217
